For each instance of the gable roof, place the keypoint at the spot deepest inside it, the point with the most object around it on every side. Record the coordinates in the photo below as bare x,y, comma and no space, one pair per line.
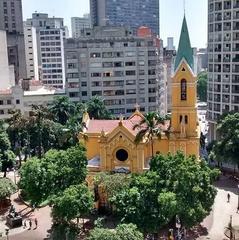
184,48
96,126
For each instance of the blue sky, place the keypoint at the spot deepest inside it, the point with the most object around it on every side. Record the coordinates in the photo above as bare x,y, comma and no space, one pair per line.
171,15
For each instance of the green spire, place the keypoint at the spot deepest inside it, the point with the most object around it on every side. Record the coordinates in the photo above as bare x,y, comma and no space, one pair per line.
184,48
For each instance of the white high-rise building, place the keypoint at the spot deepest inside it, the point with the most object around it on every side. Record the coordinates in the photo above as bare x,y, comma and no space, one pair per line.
223,60
78,24
7,77
31,51
170,44
49,33
52,57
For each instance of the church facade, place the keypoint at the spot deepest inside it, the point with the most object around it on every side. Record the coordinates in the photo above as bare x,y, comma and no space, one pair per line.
111,144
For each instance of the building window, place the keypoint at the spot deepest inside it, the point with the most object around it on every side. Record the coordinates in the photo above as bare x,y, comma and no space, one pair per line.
186,119
17,101
122,155
9,102
183,90
1,112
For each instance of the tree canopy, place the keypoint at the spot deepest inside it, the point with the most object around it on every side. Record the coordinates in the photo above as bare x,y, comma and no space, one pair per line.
7,157
7,188
174,185
227,147
202,86
96,108
74,202
150,127
45,178
121,232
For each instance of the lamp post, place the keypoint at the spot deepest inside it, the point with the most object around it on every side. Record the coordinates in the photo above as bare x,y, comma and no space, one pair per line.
14,172
238,198
7,233
178,227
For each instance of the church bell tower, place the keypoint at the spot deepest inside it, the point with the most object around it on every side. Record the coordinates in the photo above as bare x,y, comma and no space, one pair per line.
184,89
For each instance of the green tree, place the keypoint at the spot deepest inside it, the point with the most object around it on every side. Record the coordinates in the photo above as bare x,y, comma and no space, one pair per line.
18,134
7,188
174,185
112,183
202,86
7,157
61,109
227,147
150,127
74,202
122,232
42,179
96,108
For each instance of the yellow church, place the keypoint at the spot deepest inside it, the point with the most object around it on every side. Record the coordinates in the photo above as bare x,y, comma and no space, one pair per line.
111,144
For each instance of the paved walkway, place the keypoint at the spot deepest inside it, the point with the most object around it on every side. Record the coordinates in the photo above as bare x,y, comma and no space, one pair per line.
222,210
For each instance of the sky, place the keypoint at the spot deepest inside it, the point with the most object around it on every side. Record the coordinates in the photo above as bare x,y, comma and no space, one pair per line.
171,16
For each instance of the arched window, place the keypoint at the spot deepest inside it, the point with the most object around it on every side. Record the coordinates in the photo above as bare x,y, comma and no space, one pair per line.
186,119
181,118
183,90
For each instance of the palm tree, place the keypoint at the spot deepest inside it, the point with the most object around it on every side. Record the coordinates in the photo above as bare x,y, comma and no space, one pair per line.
38,116
18,134
61,108
149,127
96,108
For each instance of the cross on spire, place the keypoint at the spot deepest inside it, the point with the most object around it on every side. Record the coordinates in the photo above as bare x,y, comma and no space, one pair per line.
137,107
184,6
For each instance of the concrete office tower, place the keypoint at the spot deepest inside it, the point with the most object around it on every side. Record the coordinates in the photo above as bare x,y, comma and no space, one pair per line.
11,22
202,58
223,60
124,69
7,78
168,60
31,50
50,33
52,57
170,44
80,23
129,13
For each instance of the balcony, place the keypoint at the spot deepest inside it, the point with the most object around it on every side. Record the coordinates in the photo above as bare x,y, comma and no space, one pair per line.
235,79
225,99
226,90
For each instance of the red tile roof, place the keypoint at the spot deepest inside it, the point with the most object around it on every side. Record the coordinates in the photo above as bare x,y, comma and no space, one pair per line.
96,126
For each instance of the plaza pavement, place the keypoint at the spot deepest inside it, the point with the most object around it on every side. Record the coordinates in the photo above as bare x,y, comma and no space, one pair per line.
222,210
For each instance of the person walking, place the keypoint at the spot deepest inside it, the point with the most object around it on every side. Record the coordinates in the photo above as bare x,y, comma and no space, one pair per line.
25,224
228,197
36,222
30,224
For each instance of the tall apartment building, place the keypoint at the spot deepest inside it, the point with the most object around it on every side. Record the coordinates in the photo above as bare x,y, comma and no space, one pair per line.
31,50
52,57
7,77
11,21
133,14
202,58
78,24
223,54
169,54
125,70
49,34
